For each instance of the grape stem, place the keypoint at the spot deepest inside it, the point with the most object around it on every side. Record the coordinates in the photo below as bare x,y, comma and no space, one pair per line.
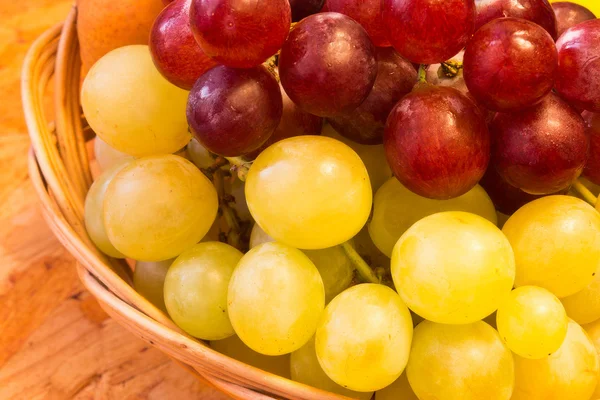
240,166
449,69
217,165
231,218
363,269
423,73
585,193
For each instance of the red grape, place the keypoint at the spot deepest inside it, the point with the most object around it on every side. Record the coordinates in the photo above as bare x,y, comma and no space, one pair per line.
570,14
234,111
327,66
578,79
365,12
540,150
436,142
303,8
428,31
592,168
510,64
240,33
174,50
537,11
395,78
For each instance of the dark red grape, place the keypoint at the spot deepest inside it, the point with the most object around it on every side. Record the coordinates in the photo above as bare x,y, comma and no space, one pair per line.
592,167
540,150
437,142
570,14
537,11
303,8
234,111
395,78
428,31
327,66
240,33
578,79
506,198
510,64
365,12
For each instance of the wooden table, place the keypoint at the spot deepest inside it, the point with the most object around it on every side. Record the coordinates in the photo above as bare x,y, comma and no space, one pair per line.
55,340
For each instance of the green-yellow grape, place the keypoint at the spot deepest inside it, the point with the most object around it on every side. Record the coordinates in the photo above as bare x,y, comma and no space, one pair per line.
571,373
310,192
593,331
149,281
532,322
106,156
364,336
129,104
156,207
196,289
233,347
556,240
199,155
305,368
583,307
453,267
460,362
399,390
275,299
395,209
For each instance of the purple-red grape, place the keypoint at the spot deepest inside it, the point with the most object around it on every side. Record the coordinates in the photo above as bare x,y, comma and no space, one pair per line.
395,78
365,12
537,11
234,111
437,142
240,33
570,14
428,31
540,150
510,64
592,167
578,78
303,8
327,66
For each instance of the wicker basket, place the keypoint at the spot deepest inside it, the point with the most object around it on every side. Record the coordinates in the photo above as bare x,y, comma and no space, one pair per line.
59,169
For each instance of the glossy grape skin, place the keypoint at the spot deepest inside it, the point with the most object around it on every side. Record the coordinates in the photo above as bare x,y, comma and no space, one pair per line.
275,299
591,5
149,124
437,142
541,150
537,11
106,156
469,362
400,389
428,31
310,192
571,373
303,8
234,111
583,307
327,66
149,281
510,64
364,336
395,78
593,332
556,240
592,167
578,78
157,207
365,12
570,14
453,267
240,33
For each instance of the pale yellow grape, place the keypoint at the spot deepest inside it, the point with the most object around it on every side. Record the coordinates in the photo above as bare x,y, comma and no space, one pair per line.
149,281
532,322
453,267
399,390
276,297
106,156
305,368
196,289
132,107
156,207
593,331
460,362
363,339
199,155
310,192
395,209
583,307
571,373
556,240
233,347
258,236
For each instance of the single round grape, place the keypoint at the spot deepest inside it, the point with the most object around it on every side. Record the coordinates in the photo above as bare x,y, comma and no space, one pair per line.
303,8
592,167
537,11
428,31
238,33
399,390
234,111
149,281
275,299
532,322
468,362
132,107
593,331
327,66
571,373
157,207
556,240
310,192
591,5
364,336
570,14
305,368
365,12
510,64
199,155
584,306
106,156
453,267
